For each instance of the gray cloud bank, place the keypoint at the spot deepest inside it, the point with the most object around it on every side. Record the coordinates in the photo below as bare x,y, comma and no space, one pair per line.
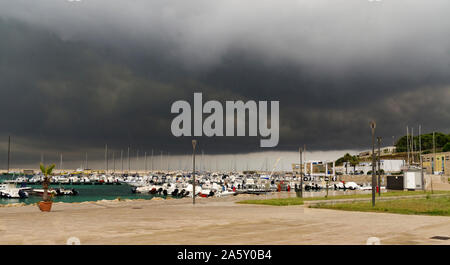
77,75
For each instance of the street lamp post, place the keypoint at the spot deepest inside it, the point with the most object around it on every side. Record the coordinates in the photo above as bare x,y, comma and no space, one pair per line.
379,165
373,125
300,172
194,143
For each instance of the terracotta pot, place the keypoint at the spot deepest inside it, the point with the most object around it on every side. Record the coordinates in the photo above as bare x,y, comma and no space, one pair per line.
45,206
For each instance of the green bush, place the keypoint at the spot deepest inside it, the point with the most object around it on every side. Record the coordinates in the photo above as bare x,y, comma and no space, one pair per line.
446,147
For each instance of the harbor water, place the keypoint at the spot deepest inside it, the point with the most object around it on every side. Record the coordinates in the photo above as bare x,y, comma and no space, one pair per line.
85,193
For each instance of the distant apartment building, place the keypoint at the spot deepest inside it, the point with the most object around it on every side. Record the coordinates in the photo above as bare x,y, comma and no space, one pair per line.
387,150
387,165
438,163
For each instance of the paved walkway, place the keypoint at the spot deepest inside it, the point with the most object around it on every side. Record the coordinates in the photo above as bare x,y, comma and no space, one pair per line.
211,221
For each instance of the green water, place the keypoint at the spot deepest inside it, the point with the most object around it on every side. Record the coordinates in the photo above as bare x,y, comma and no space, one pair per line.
85,193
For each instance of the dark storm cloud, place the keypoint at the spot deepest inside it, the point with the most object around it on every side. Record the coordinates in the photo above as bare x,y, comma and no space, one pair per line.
77,75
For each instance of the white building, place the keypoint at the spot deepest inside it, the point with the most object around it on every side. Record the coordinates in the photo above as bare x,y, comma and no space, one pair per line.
387,165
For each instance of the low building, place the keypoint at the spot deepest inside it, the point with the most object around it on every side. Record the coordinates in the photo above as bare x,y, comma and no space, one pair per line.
387,150
387,165
438,163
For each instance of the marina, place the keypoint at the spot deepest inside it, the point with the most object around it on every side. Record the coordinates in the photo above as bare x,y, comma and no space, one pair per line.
76,187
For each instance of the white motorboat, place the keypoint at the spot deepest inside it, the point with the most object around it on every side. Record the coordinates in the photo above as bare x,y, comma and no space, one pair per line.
9,190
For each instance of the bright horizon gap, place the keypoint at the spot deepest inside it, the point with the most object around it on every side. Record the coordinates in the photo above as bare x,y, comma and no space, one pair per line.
253,161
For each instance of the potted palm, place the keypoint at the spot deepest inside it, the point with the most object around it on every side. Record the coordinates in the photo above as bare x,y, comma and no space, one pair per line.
46,204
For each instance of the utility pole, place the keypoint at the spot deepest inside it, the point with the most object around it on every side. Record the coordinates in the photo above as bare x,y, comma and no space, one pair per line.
379,165
86,158
327,178
373,125
407,143
420,155
434,156
194,143
411,141
152,160
300,164
304,159
434,162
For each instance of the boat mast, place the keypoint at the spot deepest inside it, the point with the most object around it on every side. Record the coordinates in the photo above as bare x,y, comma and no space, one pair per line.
161,164
137,160
168,161
9,151
145,155
121,158
106,158
128,158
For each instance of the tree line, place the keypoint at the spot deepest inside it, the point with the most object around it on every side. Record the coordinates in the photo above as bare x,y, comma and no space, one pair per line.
442,142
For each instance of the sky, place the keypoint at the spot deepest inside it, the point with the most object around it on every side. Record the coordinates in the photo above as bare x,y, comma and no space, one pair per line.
75,76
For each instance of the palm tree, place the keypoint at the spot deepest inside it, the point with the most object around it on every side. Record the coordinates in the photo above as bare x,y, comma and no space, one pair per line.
46,171
347,158
354,161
